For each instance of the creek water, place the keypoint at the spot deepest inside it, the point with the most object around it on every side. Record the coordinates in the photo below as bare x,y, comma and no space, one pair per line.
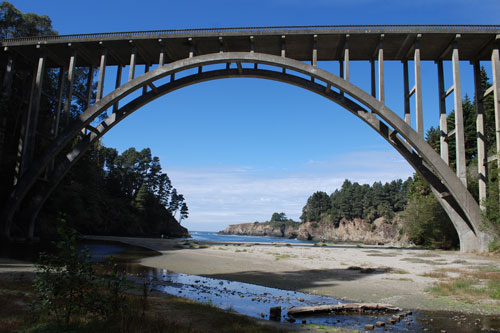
255,300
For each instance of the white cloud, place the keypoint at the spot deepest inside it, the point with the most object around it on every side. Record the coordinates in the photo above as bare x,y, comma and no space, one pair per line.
218,196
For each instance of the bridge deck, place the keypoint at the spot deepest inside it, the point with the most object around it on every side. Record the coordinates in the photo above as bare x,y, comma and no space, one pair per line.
476,42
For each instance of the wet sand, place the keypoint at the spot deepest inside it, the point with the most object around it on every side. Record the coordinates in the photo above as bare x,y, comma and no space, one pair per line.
362,274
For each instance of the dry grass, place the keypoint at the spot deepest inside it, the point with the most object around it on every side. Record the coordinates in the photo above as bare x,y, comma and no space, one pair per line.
423,261
474,284
426,255
435,275
397,271
390,254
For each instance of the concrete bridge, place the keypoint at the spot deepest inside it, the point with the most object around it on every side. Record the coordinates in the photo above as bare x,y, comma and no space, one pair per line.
174,59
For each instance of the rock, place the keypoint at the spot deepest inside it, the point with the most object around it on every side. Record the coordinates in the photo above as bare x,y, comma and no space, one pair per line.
380,324
275,313
380,231
304,321
369,327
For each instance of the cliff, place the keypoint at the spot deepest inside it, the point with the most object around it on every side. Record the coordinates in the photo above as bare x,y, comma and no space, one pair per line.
261,229
380,231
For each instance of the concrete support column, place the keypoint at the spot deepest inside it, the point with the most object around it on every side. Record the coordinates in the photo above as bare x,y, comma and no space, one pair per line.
314,60
145,88
161,60
373,78
102,73
60,91
7,78
221,45
283,46
57,113
346,59
495,64
418,92
69,95
482,158
381,89
406,84
32,117
283,50
131,70
90,83
118,83
191,47
459,118
443,123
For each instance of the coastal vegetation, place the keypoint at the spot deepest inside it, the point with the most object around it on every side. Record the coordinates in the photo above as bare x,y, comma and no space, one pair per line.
106,192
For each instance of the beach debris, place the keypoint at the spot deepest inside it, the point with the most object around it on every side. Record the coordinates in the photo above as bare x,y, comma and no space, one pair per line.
275,313
352,307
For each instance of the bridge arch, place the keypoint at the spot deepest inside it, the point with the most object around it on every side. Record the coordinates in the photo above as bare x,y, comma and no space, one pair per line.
450,191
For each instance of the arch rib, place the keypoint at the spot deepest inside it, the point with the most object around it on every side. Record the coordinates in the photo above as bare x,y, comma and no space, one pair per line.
453,195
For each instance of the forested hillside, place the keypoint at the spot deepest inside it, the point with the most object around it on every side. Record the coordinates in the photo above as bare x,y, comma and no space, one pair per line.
118,194
353,200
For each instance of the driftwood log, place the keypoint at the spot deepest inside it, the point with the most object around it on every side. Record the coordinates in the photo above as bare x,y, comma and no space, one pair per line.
352,307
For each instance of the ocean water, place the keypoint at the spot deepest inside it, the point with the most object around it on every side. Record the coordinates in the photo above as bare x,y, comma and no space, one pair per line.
212,236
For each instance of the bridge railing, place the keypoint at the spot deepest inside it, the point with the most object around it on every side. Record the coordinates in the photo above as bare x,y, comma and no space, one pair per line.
408,28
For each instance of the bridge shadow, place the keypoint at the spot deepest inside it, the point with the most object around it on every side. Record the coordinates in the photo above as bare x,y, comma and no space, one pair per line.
300,279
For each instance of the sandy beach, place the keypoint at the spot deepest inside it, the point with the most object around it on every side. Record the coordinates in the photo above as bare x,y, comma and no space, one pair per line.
360,273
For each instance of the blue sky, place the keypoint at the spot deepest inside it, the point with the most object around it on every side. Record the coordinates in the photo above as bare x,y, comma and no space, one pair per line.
241,149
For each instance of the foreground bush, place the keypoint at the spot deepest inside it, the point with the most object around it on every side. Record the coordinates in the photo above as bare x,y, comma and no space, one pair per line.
68,285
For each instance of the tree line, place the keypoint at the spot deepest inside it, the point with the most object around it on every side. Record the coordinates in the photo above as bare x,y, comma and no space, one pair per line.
120,194
353,200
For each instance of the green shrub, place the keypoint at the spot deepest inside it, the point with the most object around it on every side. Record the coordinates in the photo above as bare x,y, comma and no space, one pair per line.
427,224
68,285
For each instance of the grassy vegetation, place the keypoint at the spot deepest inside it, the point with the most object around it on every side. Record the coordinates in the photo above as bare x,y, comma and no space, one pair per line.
423,261
435,275
383,254
427,255
477,284
397,271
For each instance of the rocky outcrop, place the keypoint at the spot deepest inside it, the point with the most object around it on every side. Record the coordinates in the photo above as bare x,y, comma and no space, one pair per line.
380,231
260,229
357,230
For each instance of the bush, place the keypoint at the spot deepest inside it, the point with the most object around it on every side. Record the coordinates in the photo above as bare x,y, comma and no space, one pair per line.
67,284
427,224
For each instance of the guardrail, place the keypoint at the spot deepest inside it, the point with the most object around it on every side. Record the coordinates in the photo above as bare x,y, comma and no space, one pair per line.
276,29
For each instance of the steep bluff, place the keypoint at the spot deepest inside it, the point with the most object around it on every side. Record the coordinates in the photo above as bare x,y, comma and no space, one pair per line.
358,230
